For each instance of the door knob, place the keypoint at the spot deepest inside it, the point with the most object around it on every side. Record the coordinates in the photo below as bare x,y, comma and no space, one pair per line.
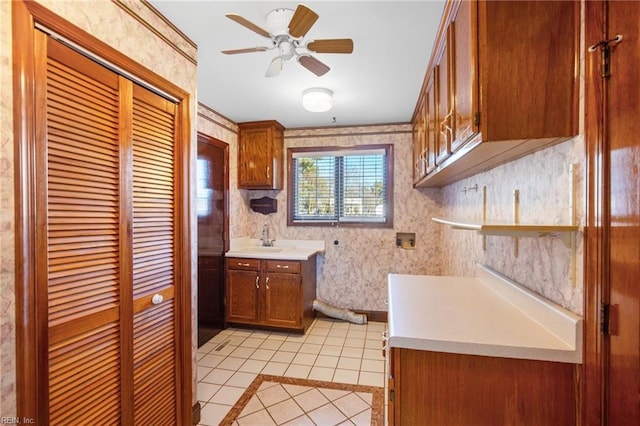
157,299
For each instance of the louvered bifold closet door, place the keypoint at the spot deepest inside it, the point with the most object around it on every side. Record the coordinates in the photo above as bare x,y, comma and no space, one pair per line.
154,327
78,229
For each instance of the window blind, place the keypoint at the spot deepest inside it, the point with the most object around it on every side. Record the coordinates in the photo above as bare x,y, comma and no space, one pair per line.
340,186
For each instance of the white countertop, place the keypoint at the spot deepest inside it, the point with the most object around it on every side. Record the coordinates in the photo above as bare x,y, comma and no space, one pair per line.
282,249
486,315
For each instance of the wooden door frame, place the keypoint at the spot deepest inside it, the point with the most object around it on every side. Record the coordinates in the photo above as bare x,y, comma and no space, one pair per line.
596,233
29,356
224,146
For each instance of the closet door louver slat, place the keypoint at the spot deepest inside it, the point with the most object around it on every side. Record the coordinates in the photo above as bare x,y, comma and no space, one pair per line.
154,333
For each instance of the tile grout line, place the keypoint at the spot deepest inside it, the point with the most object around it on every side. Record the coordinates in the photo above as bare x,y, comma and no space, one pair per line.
242,336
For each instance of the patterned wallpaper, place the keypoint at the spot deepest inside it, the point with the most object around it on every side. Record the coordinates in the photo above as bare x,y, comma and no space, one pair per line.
542,264
353,273
138,32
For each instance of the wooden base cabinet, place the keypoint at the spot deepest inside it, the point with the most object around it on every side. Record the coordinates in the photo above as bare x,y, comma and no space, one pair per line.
271,293
435,388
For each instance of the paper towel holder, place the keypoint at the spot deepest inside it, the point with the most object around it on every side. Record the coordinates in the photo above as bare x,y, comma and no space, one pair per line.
264,205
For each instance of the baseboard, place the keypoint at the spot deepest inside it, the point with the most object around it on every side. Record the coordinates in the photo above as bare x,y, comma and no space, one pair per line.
378,316
196,413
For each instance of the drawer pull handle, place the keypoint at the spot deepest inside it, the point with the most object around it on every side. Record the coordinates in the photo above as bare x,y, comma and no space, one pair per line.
282,266
157,299
267,283
257,281
243,264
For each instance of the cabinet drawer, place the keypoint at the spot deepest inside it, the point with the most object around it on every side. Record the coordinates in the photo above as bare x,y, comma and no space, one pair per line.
242,263
283,266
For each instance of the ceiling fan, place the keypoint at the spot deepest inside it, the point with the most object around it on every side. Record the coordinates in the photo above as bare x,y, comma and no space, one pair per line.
287,29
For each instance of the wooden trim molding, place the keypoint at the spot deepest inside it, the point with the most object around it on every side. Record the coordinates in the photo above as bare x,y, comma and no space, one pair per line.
207,112
597,216
27,365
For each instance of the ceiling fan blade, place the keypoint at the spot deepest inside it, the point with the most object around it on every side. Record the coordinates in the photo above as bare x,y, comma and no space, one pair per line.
313,65
248,24
247,50
302,21
274,67
336,45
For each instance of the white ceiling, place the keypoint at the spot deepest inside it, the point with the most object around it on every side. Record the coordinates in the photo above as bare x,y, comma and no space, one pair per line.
377,84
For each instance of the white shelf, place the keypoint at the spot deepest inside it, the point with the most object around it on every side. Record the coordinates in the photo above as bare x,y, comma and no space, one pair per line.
511,229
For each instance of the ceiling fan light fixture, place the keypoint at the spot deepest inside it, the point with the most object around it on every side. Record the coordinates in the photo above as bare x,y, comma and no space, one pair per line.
278,21
317,99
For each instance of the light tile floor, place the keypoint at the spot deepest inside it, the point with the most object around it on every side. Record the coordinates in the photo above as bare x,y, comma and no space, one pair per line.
330,350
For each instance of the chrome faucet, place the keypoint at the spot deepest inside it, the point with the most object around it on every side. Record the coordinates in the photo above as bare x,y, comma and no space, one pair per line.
266,241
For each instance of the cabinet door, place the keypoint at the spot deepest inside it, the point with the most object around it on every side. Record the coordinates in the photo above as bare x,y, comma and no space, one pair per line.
283,299
255,153
463,30
392,386
445,108
431,123
243,288
419,141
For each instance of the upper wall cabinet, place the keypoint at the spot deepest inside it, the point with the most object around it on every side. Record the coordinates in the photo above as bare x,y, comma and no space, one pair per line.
260,155
504,78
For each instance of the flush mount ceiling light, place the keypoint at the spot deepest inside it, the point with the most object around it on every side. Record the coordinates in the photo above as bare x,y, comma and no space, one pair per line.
317,99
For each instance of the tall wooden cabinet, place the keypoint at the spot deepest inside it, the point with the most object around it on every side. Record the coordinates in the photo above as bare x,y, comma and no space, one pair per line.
102,335
271,293
260,155
504,78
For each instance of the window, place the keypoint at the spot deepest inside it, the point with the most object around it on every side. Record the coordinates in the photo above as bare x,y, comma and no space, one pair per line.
204,195
341,186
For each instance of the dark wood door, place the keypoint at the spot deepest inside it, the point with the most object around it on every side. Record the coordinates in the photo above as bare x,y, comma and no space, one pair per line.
211,194
624,156
612,255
